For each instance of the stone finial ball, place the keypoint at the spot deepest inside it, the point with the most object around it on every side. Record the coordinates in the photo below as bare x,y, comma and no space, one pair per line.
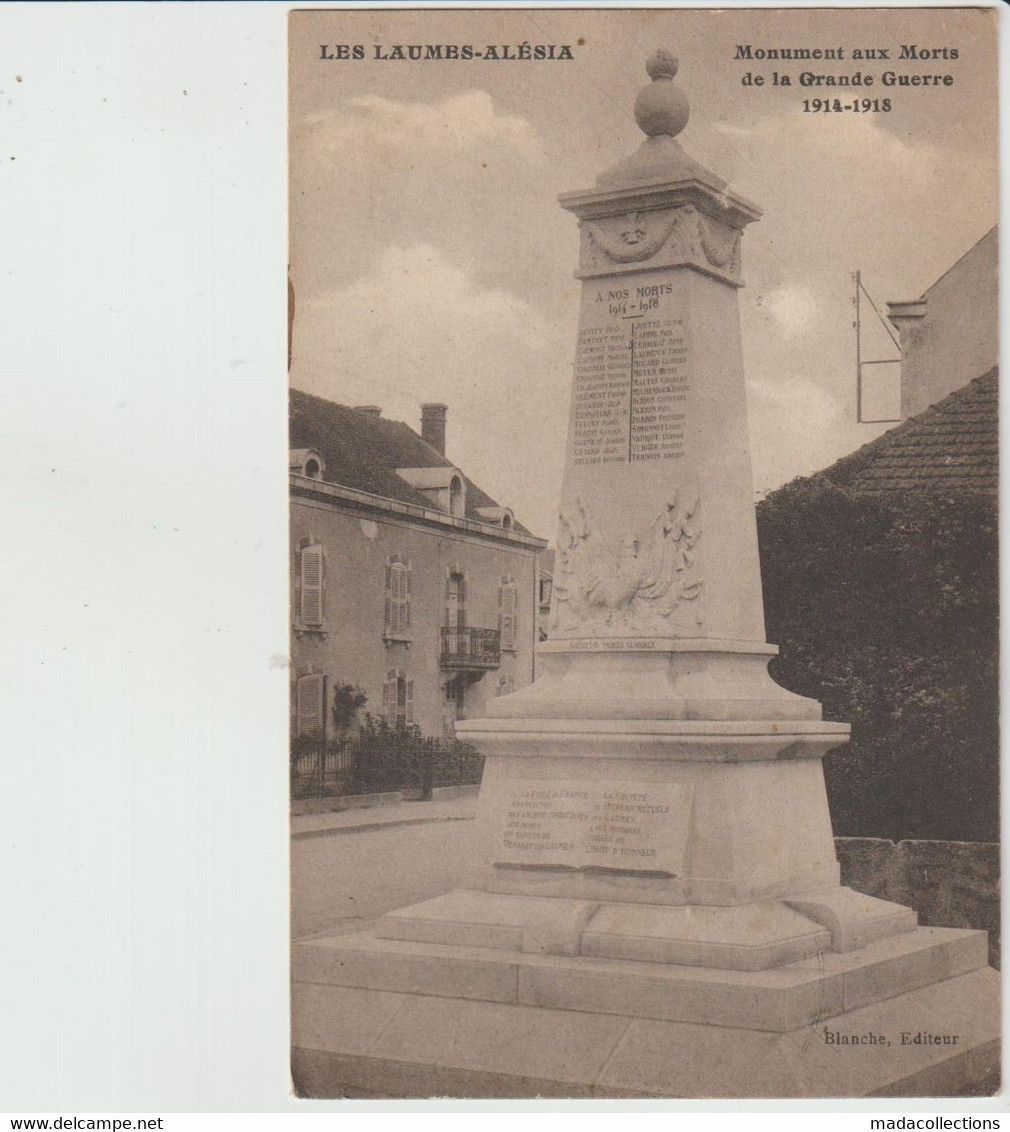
661,107
661,64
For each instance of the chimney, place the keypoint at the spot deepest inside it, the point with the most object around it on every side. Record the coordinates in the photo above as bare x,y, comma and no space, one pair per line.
368,410
433,425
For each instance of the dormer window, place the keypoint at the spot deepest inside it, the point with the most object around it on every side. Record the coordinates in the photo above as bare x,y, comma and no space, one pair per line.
444,485
500,516
457,500
306,462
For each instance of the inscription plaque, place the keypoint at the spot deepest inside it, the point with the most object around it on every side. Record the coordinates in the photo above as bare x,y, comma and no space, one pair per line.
632,372
624,827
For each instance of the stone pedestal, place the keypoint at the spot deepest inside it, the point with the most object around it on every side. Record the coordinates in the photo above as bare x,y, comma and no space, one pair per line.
654,906
913,1015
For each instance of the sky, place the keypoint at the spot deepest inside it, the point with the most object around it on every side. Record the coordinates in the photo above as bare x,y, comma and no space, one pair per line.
431,261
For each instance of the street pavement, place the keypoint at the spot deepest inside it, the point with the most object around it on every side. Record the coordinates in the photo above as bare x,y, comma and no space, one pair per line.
375,860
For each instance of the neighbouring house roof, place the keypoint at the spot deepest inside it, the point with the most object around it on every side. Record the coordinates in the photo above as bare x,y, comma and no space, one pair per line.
363,450
951,446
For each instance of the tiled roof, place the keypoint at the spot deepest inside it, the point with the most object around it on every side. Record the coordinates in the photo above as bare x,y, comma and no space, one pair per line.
363,451
951,446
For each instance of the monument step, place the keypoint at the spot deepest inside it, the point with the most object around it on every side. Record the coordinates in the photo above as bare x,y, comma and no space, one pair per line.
363,1042
753,937
750,937
780,999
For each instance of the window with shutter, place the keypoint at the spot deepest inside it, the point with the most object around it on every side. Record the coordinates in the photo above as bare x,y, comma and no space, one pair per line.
389,696
397,618
455,601
311,562
312,705
507,604
398,698
397,599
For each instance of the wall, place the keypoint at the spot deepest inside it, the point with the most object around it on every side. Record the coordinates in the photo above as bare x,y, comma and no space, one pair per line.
951,884
351,648
957,339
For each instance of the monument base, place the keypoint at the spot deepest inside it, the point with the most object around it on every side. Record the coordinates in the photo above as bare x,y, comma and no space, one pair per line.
914,1014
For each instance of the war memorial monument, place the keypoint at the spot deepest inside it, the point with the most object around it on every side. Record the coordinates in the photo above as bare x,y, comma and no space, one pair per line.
654,908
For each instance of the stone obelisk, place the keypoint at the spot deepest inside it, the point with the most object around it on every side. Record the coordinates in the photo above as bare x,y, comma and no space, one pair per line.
654,684
654,907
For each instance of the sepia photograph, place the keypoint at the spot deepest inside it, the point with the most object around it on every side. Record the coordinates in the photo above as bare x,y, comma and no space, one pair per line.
502,574
643,553
643,483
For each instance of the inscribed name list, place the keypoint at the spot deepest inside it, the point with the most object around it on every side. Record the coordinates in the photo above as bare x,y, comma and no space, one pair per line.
632,375
632,826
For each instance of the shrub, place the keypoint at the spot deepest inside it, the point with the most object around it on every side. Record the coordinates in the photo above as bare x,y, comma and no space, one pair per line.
886,610
347,700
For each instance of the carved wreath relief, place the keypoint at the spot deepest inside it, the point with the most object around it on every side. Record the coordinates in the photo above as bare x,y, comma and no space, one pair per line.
671,235
635,589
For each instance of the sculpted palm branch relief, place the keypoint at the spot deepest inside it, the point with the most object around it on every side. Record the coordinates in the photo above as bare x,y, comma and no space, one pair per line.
638,587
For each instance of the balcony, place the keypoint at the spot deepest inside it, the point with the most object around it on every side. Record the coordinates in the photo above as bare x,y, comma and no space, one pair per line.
474,649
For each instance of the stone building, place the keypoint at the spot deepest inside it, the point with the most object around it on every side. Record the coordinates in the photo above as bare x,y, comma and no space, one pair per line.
948,441
950,334
407,580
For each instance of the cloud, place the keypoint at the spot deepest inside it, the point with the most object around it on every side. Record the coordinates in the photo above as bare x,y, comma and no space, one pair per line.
415,312
418,328
794,308
370,128
794,424
862,196
457,173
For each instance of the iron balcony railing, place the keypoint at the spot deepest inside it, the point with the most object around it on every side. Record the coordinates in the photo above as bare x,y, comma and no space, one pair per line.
470,648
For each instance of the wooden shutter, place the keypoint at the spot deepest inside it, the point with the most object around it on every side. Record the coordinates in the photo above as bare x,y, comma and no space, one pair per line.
312,705
312,585
397,598
409,700
389,696
394,598
507,614
400,698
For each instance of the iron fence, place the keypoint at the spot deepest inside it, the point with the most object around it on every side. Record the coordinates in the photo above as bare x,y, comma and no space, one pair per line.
320,769
380,761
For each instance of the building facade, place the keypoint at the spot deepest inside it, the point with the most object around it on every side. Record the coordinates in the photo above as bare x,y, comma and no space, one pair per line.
950,335
407,581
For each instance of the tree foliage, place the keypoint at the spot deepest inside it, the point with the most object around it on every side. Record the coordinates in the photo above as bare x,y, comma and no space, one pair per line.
347,699
887,612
